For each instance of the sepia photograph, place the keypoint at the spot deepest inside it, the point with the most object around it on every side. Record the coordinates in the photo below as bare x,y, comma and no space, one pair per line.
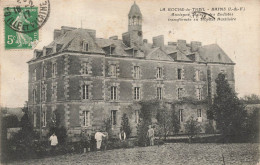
129,82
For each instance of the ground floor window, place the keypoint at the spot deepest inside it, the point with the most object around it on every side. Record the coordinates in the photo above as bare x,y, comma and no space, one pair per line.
137,116
44,118
86,118
199,114
34,119
181,115
113,117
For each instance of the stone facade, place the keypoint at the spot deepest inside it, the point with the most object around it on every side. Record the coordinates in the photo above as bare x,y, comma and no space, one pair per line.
85,79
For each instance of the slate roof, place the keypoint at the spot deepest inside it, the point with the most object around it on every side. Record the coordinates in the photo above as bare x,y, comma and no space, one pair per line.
72,41
214,54
134,11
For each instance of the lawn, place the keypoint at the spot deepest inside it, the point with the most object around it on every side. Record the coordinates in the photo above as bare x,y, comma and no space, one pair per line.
170,153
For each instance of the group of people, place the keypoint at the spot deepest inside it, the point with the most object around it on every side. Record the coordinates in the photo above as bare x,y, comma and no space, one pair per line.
99,137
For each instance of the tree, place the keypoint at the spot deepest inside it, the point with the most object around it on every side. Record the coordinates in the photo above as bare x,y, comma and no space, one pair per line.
192,128
146,113
107,127
56,127
227,110
175,122
251,99
164,120
252,126
125,126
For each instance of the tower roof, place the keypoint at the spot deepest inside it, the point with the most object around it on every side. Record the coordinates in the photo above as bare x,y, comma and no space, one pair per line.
135,11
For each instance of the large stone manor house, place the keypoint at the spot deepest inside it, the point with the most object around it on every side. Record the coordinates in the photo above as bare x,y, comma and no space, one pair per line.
85,79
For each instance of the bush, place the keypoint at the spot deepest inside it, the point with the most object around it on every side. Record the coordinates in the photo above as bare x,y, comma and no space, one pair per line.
142,129
209,129
192,128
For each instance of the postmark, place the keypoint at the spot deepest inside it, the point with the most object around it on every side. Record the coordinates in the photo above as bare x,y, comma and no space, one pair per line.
22,23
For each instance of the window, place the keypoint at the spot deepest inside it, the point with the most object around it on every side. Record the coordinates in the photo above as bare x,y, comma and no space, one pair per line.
54,88
180,93
137,93
34,119
113,69
181,115
44,119
43,93
136,72
179,74
197,74
85,46
85,92
137,116
85,68
86,118
54,69
159,72
199,113
198,93
159,93
34,74
34,96
113,93
113,117
43,71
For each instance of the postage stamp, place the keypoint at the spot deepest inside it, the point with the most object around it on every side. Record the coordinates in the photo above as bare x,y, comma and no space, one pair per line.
20,18
23,21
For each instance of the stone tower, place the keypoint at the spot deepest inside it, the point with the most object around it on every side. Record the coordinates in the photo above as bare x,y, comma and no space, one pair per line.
134,36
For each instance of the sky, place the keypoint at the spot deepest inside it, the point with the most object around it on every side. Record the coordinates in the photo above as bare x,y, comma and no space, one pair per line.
239,39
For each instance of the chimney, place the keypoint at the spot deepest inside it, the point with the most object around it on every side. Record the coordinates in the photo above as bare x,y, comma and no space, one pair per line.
65,29
182,44
145,41
113,38
56,34
158,41
195,45
172,43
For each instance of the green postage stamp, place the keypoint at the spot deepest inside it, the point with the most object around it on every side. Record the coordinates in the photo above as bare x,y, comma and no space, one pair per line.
21,27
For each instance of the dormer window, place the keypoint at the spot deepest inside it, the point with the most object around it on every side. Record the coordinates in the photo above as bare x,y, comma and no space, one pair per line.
85,46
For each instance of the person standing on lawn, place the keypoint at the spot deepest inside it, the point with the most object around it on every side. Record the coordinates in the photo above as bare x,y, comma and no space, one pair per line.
150,134
54,142
98,137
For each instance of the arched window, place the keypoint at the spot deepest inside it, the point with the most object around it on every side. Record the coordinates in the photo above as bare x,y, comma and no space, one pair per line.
135,20
132,21
140,21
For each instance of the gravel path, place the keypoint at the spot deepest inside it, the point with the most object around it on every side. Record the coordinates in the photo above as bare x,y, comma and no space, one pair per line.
172,153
